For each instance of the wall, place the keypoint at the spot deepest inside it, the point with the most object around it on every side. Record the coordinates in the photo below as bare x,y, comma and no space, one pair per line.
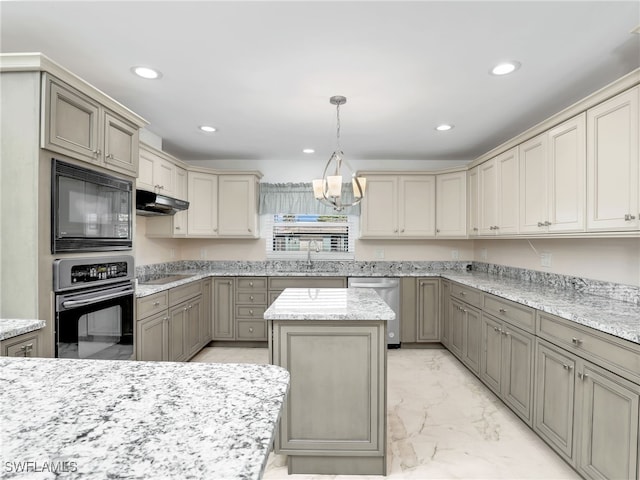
154,250
609,259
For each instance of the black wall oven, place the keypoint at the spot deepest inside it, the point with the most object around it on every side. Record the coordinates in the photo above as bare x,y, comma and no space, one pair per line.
90,211
94,307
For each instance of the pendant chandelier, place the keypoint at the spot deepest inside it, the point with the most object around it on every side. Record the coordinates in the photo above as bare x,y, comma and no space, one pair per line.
329,189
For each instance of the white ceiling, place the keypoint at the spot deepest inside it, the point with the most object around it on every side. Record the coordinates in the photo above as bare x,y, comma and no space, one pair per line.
263,72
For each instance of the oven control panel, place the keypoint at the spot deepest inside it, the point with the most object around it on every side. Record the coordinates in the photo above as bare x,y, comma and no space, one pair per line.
77,273
98,271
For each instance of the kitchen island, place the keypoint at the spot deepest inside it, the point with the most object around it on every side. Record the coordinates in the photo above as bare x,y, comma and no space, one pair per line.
333,342
96,419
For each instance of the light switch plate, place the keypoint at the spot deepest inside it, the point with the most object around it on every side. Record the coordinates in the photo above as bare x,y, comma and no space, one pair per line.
545,259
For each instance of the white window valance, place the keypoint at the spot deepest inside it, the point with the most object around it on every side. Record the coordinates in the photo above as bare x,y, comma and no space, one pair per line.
298,198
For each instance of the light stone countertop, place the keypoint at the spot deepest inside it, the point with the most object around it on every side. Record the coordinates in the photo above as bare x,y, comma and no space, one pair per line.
615,317
12,327
329,304
100,419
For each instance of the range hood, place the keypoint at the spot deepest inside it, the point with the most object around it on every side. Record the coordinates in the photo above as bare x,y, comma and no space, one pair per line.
149,204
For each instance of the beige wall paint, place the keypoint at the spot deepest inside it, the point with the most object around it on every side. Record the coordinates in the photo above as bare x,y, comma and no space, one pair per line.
416,250
609,259
154,250
231,249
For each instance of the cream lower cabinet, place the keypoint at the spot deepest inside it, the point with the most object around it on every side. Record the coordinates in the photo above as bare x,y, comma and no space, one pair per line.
506,364
613,163
398,207
76,125
589,415
451,204
553,179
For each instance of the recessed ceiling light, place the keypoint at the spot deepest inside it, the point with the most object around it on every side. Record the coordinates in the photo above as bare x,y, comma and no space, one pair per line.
308,150
444,127
505,68
207,128
146,72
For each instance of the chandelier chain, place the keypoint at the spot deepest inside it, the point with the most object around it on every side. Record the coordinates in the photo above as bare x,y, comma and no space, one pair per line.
338,126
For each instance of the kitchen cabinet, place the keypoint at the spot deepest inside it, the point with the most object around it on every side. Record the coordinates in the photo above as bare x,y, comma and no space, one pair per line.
428,310
451,204
238,206
223,308
250,304
24,345
171,226
202,219
177,326
613,164
498,194
152,336
157,172
445,292
398,206
79,126
473,201
553,179
465,333
506,364
206,319
277,284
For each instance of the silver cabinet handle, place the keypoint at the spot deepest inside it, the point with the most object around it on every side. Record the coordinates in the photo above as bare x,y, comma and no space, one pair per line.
177,228
576,341
475,229
628,217
583,376
567,367
502,310
250,329
462,293
156,304
547,223
251,312
437,230
251,284
251,298
540,224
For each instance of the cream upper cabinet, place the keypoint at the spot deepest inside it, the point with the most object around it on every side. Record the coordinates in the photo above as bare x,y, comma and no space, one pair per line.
552,179
202,220
157,172
613,176
451,204
76,125
398,207
498,194
238,206
473,201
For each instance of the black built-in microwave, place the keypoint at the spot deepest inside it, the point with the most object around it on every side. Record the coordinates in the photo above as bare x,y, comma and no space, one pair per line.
90,210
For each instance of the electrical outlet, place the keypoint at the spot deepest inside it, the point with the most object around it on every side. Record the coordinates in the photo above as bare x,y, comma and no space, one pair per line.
455,254
545,259
483,254
380,253
203,253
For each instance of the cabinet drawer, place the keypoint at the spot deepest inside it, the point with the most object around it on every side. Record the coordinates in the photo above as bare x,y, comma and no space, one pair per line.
515,313
147,306
280,283
184,292
22,346
618,355
246,311
466,294
251,283
251,298
252,330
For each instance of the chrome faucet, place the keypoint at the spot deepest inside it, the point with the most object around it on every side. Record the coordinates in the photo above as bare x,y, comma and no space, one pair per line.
317,249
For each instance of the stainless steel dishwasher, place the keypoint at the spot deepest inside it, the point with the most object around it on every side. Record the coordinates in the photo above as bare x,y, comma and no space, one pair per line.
389,290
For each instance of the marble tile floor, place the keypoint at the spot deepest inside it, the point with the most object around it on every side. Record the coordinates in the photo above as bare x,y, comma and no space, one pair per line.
443,423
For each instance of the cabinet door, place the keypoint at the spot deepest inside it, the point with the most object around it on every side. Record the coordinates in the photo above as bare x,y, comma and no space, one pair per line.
491,353
417,206
379,213
223,309
445,291
488,197
608,425
180,219
202,217
613,134
192,326
508,197
456,318
152,338
517,371
428,310
237,206
473,201
472,338
121,151
451,204
164,176
554,404
25,345
177,328
71,123
567,168
206,322
146,163
533,185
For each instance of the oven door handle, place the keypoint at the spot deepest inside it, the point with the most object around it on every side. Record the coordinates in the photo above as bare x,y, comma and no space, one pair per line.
80,303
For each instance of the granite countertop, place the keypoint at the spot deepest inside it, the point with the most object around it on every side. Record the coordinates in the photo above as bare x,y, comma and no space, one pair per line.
12,327
329,304
121,419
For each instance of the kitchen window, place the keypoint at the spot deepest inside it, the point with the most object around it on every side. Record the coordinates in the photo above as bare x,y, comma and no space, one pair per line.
291,236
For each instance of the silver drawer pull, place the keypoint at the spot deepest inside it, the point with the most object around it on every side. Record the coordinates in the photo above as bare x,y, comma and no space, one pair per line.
250,329
567,367
583,376
251,297
462,293
251,284
250,312
502,310
576,341
156,304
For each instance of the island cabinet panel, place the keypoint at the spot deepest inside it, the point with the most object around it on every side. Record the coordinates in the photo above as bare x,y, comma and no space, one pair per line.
334,418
